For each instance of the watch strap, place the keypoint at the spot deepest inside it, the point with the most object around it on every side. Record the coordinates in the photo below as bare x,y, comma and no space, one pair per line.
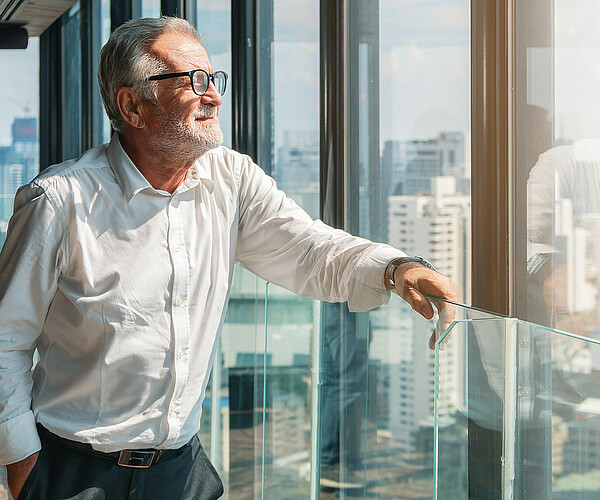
396,263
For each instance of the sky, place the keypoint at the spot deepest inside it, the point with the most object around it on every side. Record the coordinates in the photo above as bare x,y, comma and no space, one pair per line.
19,86
424,68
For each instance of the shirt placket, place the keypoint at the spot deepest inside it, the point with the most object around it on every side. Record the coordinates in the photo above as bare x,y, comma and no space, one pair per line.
180,317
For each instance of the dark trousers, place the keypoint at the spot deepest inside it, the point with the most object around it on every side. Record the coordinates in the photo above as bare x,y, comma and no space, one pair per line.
63,472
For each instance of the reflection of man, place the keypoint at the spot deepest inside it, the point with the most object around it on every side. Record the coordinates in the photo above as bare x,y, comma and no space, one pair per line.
344,364
563,186
117,267
564,179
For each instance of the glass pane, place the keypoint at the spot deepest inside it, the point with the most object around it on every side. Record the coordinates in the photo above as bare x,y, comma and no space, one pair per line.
522,421
71,84
231,428
19,146
556,400
104,122
294,156
470,381
558,152
213,21
409,187
150,8
287,398
296,119
233,396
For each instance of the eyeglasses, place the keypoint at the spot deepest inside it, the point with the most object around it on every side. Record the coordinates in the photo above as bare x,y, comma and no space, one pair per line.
199,79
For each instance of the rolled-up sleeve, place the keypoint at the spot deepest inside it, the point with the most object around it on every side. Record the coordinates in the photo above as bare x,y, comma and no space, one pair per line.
278,241
30,264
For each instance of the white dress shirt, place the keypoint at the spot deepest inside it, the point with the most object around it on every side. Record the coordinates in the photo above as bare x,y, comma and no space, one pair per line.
123,289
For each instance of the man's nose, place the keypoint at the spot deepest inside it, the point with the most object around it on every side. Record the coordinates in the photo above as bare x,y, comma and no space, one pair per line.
212,96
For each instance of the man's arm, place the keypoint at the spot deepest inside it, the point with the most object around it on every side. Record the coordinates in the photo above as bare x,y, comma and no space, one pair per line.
29,264
282,244
279,242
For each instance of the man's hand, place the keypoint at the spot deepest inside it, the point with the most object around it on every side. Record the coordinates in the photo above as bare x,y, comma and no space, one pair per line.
555,291
414,281
17,473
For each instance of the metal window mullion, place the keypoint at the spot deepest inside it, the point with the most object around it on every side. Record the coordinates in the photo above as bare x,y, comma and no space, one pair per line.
122,11
333,93
50,95
179,8
491,192
91,105
243,76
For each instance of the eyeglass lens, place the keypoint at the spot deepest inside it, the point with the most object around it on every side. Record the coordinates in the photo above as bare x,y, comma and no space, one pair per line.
201,82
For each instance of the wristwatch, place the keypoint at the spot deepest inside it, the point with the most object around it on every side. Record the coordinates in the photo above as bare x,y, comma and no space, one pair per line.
396,263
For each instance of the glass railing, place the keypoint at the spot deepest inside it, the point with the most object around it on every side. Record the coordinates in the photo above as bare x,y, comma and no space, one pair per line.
308,401
348,401
357,406
517,411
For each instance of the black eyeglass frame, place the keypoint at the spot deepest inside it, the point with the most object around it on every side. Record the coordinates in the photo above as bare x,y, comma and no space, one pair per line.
210,77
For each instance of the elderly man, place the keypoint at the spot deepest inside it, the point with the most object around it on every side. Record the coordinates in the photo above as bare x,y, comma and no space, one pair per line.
118,266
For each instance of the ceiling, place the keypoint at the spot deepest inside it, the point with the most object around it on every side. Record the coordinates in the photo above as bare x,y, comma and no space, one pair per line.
33,15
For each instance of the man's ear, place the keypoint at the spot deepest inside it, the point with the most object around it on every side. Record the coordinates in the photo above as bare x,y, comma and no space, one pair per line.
131,107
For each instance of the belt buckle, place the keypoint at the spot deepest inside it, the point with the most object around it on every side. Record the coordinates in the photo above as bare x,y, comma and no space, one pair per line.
137,459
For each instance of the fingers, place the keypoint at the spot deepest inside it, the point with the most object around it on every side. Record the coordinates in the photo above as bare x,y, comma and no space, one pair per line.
415,282
418,302
447,313
433,339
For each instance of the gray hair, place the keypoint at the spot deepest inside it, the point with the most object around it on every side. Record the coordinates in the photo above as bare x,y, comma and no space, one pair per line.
126,61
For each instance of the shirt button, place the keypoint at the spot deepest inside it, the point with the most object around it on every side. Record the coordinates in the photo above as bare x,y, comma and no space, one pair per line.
173,408
179,302
181,355
176,248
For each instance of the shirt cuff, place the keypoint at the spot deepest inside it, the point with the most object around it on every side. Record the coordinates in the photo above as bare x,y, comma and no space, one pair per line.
18,438
367,288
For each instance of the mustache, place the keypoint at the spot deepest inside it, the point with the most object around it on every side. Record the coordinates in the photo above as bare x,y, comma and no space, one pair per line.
205,111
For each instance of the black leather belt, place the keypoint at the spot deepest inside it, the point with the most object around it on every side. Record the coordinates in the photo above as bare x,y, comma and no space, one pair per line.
139,459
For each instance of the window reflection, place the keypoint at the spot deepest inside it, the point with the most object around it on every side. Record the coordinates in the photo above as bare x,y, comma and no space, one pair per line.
213,21
19,147
150,8
562,217
294,156
228,409
421,140
71,87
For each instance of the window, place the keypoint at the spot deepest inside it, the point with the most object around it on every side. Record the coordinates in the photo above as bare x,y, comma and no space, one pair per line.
414,113
19,146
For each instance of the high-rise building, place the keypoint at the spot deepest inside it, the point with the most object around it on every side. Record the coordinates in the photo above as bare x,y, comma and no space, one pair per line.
18,165
434,224
411,164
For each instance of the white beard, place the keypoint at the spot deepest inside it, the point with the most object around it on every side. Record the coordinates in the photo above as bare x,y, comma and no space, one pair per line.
177,140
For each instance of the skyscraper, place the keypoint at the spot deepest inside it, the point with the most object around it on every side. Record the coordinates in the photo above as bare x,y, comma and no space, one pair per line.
18,165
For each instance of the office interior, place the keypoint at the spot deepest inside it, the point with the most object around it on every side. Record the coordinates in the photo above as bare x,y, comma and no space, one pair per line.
464,131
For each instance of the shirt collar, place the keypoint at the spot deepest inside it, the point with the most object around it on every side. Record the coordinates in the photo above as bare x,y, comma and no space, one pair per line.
132,181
